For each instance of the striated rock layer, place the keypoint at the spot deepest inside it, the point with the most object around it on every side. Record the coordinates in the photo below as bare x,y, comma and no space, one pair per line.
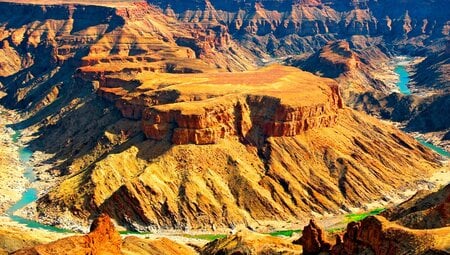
284,27
196,148
40,53
221,150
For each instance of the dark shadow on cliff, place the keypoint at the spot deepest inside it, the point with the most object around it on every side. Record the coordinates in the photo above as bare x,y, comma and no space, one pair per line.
84,16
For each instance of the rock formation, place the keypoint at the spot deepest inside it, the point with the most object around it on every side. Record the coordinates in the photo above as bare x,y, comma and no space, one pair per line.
144,122
424,210
130,37
313,240
289,27
249,128
103,239
366,86
376,235
246,242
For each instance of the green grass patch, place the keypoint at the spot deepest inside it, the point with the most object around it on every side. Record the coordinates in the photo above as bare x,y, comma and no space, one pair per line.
208,237
334,230
287,233
361,216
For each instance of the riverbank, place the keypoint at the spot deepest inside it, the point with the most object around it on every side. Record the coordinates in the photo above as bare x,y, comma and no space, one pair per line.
396,75
12,181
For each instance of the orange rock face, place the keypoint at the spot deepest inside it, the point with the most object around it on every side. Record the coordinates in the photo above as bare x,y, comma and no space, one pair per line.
103,239
223,105
376,235
313,239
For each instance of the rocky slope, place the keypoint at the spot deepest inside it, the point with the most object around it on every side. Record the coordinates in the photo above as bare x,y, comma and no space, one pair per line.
418,226
355,64
143,122
424,210
41,52
373,235
249,128
367,85
246,242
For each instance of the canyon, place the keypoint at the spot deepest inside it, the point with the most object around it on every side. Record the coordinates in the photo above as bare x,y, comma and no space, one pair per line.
171,116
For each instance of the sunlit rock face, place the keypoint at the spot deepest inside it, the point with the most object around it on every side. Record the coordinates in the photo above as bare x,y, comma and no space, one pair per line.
290,27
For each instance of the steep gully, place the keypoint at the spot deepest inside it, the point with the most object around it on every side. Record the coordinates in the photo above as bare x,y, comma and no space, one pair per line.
30,195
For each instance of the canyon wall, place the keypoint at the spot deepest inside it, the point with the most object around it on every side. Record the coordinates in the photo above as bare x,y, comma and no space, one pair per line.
289,27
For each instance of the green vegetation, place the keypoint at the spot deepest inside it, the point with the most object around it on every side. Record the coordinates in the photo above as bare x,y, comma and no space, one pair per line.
361,216
209,237
334,230
288,233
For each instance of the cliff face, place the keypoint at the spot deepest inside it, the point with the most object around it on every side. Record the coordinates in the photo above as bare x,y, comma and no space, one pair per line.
275,144
41,52
182,143
287,27
214,110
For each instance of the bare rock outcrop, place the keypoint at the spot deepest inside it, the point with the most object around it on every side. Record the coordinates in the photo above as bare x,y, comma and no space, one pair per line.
314,240
424,210
376,235
103,239
289,27
185,116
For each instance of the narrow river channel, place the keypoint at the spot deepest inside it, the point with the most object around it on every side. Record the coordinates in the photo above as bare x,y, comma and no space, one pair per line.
402,84
31,194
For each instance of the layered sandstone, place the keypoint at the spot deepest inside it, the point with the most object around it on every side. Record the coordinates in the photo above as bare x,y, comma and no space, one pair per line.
290,27
211,106
92,40
217,109
276,144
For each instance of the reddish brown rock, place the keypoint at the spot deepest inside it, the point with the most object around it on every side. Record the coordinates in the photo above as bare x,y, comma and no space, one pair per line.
102,240
313,239
376,235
